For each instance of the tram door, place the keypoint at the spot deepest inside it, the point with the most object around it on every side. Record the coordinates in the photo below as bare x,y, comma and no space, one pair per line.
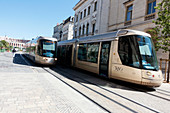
69,54
104,59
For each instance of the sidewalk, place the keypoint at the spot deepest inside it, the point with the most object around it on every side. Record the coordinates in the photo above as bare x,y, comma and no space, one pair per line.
26,89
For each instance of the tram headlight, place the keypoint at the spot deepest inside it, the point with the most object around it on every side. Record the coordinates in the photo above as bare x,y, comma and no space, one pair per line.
148,73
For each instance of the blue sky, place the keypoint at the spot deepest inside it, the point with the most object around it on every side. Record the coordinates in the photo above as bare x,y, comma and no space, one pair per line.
26,19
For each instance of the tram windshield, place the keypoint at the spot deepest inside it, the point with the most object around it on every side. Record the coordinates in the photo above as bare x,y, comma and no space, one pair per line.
147,52
138,51
47,48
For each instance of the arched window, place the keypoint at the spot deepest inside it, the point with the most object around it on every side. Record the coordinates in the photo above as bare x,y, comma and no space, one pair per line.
80,31
87,29
75,34
93,28
83,29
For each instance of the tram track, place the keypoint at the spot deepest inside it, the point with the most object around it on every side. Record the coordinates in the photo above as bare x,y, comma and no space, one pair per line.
157,94
78,91
80,82
83,89
61,79
150,91
128,107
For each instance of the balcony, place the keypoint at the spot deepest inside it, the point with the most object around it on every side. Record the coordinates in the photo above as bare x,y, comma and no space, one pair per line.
127,23
150,16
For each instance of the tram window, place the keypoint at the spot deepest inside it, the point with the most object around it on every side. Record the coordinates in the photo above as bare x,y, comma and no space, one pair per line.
88,52
127,51
82,52
92,53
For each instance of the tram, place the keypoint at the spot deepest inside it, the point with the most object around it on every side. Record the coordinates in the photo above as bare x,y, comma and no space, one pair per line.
126,55
42,50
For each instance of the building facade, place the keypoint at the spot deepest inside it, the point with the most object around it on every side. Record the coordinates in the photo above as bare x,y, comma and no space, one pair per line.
132,14
100,16
58,33
19,43
64,31
68,28
90,17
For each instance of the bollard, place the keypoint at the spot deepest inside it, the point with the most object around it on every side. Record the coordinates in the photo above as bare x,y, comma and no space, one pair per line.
168,71
166,75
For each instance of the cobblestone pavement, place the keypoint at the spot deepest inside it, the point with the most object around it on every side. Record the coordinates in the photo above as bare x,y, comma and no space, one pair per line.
25,90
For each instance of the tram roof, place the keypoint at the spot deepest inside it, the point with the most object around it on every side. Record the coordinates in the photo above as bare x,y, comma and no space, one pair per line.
47,38
104,37
42,37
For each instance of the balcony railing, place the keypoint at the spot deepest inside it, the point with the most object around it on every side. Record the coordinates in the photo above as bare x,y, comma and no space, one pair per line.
150,16
127,23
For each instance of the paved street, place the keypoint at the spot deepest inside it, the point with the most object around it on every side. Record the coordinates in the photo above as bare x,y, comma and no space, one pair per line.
26,88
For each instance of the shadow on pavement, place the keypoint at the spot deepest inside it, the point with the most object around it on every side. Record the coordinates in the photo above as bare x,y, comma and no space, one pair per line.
18,60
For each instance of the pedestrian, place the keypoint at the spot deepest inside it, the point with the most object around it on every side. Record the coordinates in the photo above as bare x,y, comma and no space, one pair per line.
13,51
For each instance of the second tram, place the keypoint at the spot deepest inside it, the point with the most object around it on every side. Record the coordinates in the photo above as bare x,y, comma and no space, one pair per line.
127,55
42,50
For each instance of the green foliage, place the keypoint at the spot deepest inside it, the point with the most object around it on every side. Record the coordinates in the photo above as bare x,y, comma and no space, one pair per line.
1,44
162,30
4,44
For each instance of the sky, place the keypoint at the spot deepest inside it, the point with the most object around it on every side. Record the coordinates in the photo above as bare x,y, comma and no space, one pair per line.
27,19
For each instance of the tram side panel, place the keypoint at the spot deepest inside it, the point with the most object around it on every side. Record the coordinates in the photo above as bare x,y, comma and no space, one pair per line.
30,51
87,56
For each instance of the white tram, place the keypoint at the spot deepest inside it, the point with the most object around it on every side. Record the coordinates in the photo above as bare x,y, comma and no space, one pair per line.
42,50
126,55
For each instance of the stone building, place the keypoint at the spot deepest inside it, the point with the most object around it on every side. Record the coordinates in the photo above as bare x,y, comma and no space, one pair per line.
58,33
100,16
132,14
64,31
91,17
68,28
20,43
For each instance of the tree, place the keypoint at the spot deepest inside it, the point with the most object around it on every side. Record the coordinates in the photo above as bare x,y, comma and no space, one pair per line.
162,30
5,43
1,45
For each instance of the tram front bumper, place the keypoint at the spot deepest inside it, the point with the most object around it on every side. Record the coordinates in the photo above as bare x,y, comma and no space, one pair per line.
152,78
48,61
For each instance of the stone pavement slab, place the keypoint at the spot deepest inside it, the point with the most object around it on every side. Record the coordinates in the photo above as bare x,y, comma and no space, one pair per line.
40,92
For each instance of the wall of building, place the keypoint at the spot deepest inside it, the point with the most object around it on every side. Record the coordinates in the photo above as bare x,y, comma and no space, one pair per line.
117,15
14,42
70,31
98,17
64,31
58,33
